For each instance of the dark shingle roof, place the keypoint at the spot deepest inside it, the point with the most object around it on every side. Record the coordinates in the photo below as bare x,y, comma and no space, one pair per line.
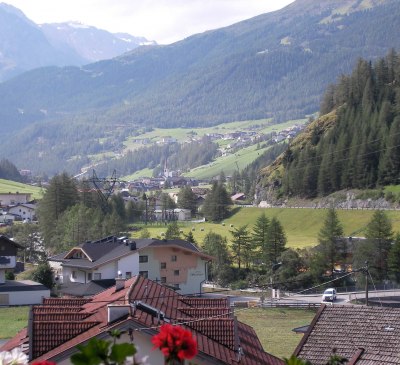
363,335
86,289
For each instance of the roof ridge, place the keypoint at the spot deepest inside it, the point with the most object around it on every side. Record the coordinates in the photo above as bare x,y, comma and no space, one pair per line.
130,290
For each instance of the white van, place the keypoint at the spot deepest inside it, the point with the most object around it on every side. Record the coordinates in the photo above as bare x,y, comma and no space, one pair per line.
329,295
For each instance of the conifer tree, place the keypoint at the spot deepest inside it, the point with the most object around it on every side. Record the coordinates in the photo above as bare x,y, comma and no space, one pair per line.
216,245
379,232
187,199
394,259
276,240
241,246
331,243
173,231
217,203
259,236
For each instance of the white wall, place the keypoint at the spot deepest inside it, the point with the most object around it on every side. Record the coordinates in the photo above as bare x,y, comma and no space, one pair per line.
129,264
196,277
28,297
24,212
11,264
67,275
110,270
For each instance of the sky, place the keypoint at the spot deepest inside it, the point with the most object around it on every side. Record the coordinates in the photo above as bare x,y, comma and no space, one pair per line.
165,21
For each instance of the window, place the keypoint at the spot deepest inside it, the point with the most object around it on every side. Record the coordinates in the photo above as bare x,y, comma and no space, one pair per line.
176,286
173,258
163,265
97,276
128,275
176,272
163,279
89,276
143,259
73,274
145,274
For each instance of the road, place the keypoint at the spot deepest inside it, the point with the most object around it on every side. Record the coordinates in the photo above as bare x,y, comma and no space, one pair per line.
392,296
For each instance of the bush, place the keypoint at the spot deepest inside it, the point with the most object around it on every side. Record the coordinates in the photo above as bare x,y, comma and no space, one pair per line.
370,194
240,284
10,275
390,196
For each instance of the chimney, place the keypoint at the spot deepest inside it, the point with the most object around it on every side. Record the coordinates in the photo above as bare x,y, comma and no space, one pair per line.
117,311
119,281
133,245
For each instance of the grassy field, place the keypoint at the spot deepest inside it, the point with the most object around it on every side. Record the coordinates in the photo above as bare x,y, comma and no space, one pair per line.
301,225
7,186
274,327
12,320
227,163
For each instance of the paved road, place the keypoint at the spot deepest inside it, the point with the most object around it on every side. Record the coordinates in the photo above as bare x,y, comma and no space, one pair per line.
342,298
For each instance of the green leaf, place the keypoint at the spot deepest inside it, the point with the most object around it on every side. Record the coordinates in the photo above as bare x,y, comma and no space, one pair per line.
120,351
94,353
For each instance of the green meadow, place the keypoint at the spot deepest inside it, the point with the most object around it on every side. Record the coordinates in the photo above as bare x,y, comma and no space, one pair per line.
301,225
8,186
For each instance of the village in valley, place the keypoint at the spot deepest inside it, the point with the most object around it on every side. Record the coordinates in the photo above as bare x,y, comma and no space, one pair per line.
231,196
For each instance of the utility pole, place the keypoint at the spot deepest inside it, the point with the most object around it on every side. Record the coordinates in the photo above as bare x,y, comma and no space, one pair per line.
144,197
366,282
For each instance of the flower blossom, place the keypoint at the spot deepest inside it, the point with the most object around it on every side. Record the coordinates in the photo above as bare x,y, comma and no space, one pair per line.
175,343
15,357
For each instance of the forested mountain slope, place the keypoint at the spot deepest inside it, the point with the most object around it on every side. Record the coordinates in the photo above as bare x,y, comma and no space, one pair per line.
355,144
276,64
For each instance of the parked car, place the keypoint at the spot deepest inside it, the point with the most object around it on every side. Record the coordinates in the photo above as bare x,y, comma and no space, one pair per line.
329,295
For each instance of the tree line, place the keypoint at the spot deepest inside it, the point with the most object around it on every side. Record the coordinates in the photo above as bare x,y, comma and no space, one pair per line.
258,256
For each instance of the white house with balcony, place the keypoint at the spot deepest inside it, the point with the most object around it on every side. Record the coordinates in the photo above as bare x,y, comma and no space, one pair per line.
90,267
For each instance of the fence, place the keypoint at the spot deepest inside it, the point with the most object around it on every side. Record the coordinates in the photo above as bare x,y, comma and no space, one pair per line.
277,304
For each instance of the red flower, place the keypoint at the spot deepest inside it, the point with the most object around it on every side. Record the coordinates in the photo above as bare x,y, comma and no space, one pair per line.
175,343
44,362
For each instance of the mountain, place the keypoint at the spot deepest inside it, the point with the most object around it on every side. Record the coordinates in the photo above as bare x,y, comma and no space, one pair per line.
91,43
274,65
25,45
353,145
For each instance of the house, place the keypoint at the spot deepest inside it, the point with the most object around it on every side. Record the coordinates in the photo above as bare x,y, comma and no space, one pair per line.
9,218
84,268
183,214
138,307
25,211
177,214
8,256
362,334
13,292
7,199
176,263
238,196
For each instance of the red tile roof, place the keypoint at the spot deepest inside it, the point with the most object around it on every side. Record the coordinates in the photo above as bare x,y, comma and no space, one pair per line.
217,332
